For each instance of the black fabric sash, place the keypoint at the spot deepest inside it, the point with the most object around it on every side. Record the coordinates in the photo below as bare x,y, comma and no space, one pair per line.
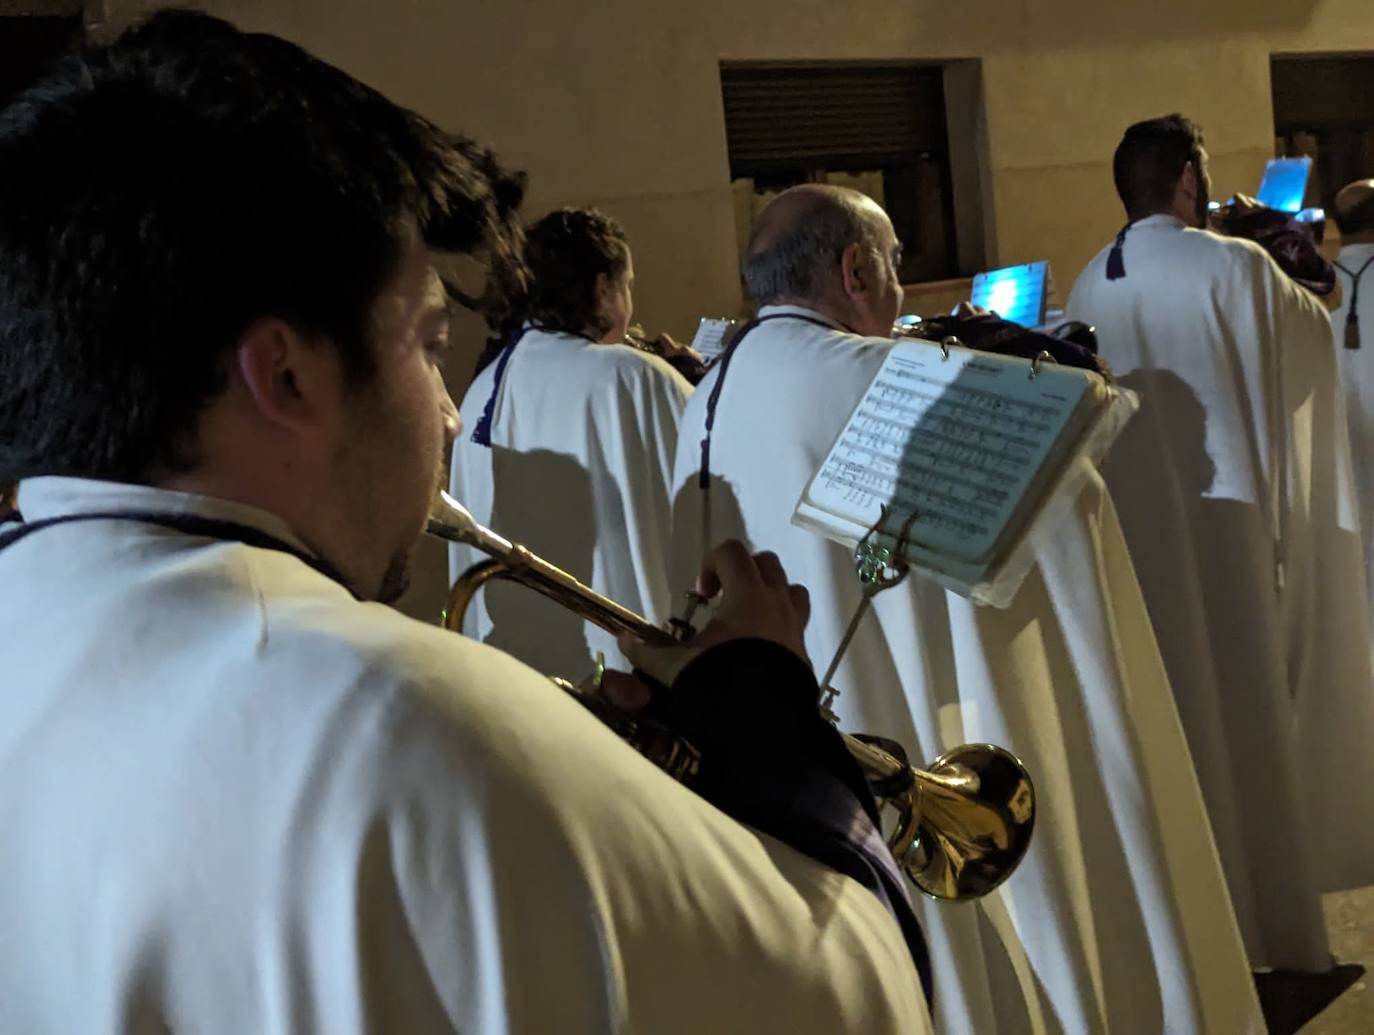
1352,317
481,434
1116,258
704,474
188,524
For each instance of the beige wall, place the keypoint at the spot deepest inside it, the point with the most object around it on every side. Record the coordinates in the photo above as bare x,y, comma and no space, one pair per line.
617,103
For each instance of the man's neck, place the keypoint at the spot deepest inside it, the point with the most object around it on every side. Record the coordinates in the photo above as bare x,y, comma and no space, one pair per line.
818,306
1155,213
293,510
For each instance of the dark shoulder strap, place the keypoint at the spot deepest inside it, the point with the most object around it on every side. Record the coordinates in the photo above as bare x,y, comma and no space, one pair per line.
188,524
23,529
1354,276
482,433
704,472
1352,314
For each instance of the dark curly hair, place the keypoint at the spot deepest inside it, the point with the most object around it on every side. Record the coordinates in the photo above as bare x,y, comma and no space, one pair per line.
162,192
564,252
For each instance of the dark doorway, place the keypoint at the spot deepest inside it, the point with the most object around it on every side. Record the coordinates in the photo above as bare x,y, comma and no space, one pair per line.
1322,110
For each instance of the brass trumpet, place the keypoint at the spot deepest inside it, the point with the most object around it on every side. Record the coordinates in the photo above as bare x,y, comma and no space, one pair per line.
962,825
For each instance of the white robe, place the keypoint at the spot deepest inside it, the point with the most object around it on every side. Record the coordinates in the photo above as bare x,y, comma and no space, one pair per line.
236,800
1357,376
1233,362
1117,920
582,442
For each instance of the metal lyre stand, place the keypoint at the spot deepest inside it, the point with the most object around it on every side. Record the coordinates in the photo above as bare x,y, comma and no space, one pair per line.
879,567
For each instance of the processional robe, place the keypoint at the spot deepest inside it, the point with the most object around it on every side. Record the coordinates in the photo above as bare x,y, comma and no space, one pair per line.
1117,920
579,453
234,799
1357,379
1235,492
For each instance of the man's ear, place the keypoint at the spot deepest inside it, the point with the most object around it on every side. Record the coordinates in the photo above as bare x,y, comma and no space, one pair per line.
290,380
1187,183
604,291
854,273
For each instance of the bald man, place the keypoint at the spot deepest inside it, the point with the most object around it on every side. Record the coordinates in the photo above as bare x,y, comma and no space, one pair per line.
1117,920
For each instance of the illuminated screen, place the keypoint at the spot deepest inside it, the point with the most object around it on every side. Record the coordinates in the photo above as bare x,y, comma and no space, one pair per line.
1016,293
1285,183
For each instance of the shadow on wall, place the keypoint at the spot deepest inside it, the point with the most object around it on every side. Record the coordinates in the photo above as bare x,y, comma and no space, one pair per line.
557,522
689,544
1137,448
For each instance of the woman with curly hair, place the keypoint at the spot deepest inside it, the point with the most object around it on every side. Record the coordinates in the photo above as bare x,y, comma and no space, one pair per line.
568,445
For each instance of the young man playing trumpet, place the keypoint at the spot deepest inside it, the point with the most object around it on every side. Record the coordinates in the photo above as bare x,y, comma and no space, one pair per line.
238,794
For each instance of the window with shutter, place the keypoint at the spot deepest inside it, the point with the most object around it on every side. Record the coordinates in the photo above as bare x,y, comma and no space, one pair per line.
876,126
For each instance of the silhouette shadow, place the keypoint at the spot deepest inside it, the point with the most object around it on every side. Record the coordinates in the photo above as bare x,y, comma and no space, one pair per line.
1035,701
1238,653
689,542
562,530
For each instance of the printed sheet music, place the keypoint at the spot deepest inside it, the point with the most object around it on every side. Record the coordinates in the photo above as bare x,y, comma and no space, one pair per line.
969,442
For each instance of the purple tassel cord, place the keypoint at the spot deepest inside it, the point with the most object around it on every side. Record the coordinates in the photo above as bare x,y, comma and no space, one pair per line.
1116,261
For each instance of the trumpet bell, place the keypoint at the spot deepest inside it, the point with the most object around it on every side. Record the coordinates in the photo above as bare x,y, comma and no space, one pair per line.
966,822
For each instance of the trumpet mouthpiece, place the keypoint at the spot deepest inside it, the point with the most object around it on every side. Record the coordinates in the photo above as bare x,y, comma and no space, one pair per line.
449,519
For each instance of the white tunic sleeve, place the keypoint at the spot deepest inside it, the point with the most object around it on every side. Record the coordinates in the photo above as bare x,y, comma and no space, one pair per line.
538,893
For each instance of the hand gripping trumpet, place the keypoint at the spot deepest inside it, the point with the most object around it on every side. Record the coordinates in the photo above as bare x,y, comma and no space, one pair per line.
962,825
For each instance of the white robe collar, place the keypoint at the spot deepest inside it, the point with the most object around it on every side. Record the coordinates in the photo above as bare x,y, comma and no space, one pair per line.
568,336
803,311
1353,256
1160,221
51,496
1116,255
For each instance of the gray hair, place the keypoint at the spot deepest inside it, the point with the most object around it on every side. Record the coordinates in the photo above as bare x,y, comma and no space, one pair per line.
793,260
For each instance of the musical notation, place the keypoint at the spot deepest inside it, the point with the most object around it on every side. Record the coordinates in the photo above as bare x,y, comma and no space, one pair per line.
957,441
711,336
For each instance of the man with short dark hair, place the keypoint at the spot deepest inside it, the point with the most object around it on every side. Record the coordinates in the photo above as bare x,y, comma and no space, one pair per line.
1161,166
1233,485
239,795
1068,677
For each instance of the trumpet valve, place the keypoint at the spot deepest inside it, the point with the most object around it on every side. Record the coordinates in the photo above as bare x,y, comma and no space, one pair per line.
682,628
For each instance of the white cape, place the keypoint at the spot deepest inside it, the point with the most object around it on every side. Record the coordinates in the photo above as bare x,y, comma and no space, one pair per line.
1117,920
236,800
582,442
1238,457
1357,377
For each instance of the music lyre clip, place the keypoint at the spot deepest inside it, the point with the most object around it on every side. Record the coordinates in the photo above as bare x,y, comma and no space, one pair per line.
878,567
